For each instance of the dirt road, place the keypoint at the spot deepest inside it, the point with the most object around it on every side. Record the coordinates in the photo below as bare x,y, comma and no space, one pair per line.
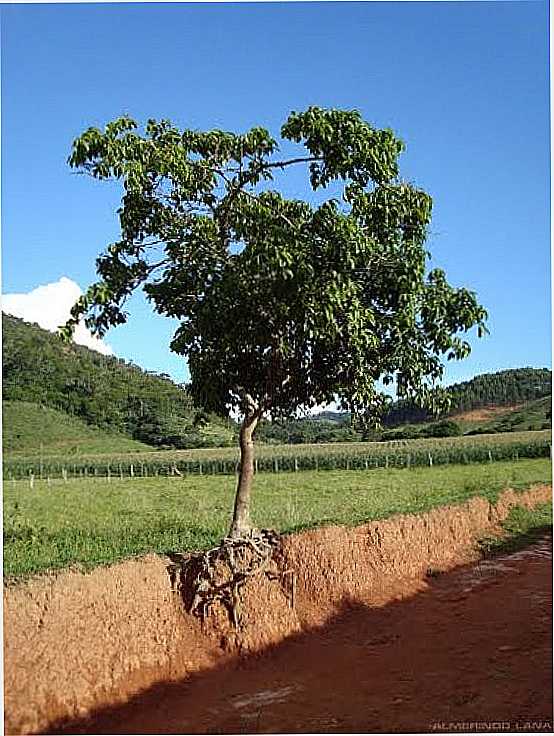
474,647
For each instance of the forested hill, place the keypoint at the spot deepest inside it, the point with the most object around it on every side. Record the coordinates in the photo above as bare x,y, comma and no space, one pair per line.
104,391
505,388
116,396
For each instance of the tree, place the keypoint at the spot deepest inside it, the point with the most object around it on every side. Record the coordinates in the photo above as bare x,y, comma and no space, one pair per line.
446,428
284,304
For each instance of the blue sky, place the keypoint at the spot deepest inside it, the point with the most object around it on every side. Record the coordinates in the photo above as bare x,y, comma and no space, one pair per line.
464,84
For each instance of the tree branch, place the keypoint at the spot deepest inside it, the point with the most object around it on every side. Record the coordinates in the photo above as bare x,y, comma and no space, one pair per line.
288,162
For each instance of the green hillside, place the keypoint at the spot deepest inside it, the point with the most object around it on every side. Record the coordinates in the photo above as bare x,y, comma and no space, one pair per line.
101,391
98,402
27,427
508,401
531,415
504,388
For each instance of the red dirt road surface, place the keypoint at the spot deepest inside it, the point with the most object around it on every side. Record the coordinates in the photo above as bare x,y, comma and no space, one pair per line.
469,650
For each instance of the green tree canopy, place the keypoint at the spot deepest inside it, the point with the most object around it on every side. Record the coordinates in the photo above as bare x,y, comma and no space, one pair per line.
283,304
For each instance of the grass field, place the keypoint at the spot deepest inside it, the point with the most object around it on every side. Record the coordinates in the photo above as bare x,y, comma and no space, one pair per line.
90,522
28,426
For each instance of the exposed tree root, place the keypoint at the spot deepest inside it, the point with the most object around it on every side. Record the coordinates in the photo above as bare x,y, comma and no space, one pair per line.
218,575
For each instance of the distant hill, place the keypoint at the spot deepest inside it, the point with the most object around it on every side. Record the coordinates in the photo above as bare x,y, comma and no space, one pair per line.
513,400
511,388
106,402
504,388
530,415
102,391
28,428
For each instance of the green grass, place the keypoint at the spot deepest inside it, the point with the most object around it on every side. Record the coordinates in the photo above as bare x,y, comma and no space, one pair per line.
93,522
521,528
29,426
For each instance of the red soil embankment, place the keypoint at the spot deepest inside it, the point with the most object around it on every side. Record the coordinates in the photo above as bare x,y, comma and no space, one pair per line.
75,642
471,652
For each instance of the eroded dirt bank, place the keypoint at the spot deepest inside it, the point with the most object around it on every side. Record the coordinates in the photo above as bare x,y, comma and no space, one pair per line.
473,647
76,642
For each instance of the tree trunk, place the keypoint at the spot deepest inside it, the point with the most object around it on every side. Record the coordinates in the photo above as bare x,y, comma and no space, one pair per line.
241,516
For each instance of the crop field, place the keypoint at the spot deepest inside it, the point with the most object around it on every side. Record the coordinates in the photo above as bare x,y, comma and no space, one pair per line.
90,522
283,458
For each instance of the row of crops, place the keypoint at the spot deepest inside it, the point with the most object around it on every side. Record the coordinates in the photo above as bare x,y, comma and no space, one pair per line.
320,449
358,456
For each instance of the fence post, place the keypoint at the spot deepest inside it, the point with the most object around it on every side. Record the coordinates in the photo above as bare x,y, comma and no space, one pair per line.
31,480
430,460
296,465
276,465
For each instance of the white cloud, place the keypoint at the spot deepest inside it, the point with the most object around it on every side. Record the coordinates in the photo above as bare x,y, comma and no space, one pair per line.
49,306
333,406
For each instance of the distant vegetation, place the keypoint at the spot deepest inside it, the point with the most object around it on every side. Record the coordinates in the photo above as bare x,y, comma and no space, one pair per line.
531,416
102,391
280,458
67,400
504,388
527,389
25,424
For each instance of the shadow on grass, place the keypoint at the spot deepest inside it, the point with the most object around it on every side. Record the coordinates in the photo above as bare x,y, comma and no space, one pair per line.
515,542
440,657
522,528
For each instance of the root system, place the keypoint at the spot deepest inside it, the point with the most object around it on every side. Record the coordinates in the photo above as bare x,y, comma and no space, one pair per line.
204,579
